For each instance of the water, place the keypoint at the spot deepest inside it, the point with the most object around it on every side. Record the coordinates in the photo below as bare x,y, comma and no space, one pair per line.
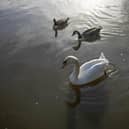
33,87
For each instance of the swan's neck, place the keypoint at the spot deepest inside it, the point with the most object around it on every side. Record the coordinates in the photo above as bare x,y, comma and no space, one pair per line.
76,71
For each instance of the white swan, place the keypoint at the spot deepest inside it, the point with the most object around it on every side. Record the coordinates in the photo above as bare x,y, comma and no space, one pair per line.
87,72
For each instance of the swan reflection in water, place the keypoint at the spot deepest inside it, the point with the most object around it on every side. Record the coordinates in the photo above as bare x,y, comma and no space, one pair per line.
77,90
91,102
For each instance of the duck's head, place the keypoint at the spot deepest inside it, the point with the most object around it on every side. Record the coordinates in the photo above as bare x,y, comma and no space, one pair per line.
54,20
69,60
100,27
55,27
76,32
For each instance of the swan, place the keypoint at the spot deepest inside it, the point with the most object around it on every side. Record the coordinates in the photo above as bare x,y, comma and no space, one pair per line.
87,72
60,24
89,35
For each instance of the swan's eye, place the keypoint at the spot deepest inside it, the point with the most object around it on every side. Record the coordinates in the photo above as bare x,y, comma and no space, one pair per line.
65,62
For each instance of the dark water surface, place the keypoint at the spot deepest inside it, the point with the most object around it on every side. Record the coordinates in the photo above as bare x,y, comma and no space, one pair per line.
33,88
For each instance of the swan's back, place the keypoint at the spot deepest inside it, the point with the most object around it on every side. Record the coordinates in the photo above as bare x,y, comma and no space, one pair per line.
90,63
91,71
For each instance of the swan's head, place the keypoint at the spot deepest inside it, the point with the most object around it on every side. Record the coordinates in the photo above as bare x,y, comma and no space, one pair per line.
69,60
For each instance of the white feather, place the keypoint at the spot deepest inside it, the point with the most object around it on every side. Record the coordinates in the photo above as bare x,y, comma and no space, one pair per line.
89,71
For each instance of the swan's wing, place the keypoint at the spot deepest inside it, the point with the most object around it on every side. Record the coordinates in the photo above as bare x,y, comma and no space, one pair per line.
102,56
93,73
89,64
93,62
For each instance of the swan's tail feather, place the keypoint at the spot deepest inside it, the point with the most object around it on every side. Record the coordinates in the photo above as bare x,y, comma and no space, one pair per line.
102,56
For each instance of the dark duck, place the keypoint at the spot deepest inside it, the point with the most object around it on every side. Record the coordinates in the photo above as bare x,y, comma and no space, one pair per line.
89,35
60,25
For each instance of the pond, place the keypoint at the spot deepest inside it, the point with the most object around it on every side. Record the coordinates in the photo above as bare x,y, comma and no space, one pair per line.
34,88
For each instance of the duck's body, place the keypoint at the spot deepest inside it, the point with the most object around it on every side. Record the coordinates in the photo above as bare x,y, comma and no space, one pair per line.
59,25
89,35
92,33
89,71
